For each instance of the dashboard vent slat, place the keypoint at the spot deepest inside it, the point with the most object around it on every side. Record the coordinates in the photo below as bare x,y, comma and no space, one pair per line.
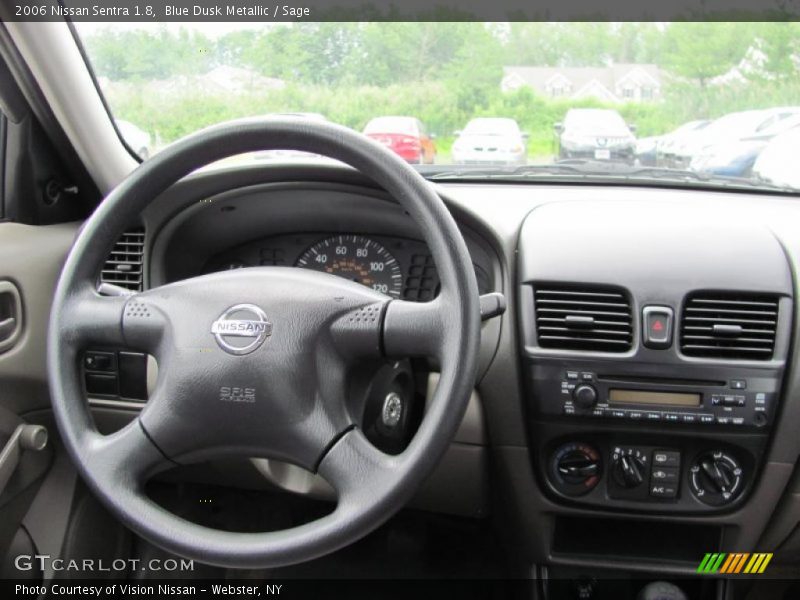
584,318
729,325
124,265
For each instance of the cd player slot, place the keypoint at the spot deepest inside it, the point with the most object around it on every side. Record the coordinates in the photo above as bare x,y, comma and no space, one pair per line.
633,379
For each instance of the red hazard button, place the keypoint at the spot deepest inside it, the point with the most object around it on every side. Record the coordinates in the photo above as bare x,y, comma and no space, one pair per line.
657,326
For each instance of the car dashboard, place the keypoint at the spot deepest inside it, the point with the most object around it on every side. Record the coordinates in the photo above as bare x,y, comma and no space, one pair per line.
640,384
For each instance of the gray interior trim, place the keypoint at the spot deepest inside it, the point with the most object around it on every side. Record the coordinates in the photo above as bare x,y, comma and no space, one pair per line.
55,62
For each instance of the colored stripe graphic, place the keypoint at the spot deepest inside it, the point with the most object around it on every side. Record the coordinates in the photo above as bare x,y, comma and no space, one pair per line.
767,558
740,563
704,563
734,563
711,562
729,562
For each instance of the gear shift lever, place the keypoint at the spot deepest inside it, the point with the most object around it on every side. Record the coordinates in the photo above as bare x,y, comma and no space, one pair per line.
661,590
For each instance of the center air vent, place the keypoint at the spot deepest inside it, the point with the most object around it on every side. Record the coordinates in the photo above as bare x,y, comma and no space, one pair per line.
729,325
124,264
583,318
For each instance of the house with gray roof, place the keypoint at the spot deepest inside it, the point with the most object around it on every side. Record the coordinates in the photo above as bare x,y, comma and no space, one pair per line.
614,84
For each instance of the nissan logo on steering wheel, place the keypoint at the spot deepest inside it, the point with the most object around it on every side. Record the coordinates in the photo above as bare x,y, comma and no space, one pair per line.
241,329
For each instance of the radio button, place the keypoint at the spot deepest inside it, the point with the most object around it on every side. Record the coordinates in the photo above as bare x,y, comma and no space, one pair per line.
723,420
706,418
635,414
737,420
664,475
619,414
666,458
738,384
572,374
652,416
729,400
587,376
716,400
598,412
687,418
671,417
659,490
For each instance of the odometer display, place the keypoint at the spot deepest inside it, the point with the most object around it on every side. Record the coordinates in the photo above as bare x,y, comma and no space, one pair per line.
357,258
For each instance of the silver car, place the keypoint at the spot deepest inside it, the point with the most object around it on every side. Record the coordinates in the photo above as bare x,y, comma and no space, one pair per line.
490,141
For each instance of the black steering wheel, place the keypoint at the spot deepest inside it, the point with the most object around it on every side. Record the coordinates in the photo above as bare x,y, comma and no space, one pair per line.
254,362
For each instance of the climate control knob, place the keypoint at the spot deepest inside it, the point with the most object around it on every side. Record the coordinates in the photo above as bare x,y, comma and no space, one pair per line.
629,470
575,468
716,478
584,396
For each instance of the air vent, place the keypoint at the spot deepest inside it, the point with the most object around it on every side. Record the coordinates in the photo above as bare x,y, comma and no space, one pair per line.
422,279
583,318
124,264
729,325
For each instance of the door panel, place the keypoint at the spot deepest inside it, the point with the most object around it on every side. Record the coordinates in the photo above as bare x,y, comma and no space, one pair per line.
30,261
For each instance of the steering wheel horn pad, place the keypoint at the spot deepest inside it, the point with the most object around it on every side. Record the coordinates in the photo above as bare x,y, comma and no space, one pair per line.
255,362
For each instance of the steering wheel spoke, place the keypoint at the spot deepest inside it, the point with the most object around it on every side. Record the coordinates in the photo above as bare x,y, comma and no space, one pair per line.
126,458
414,328
89,318
353,485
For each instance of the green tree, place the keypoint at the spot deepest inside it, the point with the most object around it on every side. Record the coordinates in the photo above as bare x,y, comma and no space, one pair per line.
703,50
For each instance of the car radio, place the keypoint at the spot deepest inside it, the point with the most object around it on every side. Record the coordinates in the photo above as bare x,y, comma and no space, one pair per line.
740,401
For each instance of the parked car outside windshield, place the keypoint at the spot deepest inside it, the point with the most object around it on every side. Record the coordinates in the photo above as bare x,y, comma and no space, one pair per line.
772,165
405,136
729,128
736,158
599,134
490,141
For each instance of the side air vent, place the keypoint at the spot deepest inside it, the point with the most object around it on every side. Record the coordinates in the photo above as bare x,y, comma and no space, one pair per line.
124,264
729,325
583,318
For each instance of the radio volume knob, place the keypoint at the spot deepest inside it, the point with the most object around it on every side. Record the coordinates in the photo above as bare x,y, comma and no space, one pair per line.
585,396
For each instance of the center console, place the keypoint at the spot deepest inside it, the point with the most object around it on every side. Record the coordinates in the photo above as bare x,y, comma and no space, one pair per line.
653,353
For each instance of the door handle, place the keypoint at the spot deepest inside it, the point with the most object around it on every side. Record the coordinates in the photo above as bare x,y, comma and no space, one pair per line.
10,315
7,327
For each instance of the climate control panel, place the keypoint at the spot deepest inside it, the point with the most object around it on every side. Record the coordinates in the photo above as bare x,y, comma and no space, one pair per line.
645,473
658,477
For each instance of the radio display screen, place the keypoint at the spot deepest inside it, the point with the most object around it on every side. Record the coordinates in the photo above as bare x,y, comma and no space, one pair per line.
654,398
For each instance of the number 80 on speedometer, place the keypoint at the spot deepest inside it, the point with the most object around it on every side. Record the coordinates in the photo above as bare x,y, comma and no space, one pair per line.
357,258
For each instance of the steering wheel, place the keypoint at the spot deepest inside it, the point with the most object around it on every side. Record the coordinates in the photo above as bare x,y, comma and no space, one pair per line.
254,362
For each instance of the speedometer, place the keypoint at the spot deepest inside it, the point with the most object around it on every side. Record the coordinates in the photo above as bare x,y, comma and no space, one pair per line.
357,258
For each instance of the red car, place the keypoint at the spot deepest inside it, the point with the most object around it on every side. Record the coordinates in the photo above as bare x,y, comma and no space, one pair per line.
405,136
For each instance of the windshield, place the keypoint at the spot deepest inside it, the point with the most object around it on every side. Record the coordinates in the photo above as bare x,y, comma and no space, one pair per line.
565,92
